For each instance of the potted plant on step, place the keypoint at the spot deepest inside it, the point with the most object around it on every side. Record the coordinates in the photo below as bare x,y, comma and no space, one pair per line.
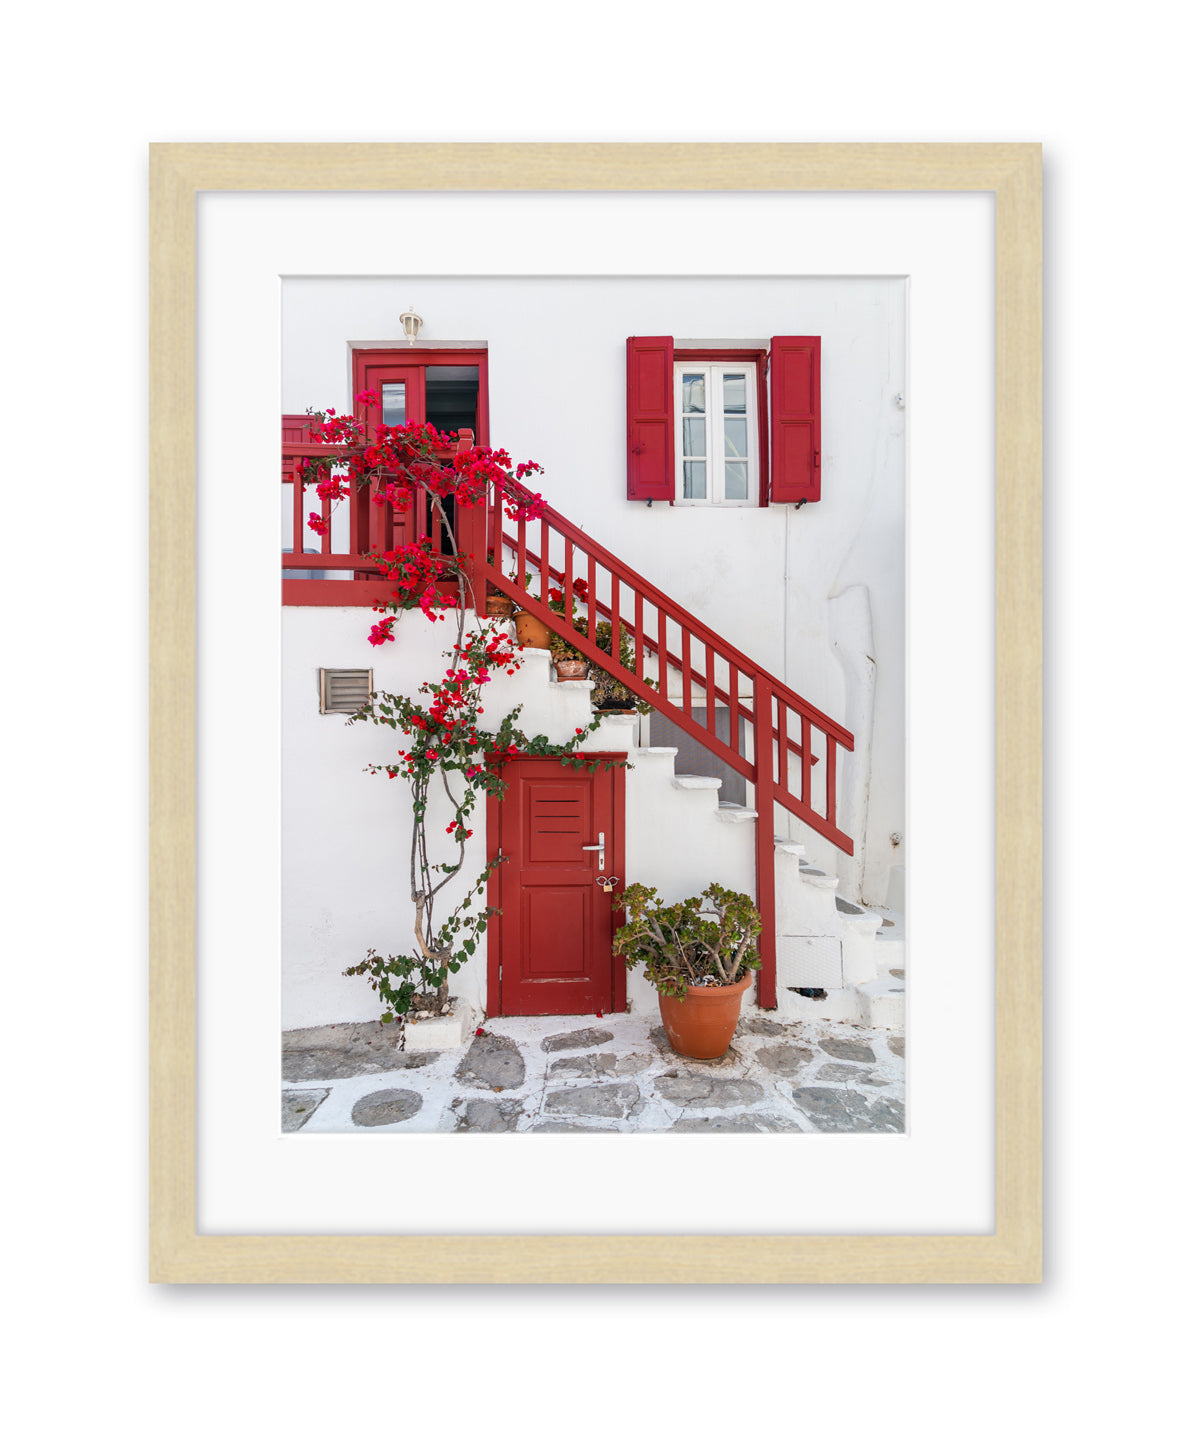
699,954
610,693
569,664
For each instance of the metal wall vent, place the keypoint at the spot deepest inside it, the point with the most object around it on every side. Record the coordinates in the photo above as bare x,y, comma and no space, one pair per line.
345,691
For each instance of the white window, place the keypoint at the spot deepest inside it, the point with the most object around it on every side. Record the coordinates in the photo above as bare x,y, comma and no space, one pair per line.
716,434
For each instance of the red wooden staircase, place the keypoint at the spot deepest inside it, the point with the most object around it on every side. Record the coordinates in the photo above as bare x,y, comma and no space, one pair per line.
788,750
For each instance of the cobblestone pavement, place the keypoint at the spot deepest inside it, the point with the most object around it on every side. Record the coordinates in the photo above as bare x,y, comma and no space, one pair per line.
562,1074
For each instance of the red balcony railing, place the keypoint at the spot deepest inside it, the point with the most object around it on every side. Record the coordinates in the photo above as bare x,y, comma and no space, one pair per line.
346,577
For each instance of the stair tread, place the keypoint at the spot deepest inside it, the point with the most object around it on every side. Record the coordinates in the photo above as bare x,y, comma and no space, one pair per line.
733,814
697,782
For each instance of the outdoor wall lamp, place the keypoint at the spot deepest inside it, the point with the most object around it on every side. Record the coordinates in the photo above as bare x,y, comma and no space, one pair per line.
412,323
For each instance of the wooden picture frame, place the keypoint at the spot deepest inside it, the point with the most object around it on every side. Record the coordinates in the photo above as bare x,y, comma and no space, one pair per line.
1011,173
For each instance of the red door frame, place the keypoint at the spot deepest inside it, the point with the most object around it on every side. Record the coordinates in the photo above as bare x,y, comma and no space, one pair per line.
368,361
614,865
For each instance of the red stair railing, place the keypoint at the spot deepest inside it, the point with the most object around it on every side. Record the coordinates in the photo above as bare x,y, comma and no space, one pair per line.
787,732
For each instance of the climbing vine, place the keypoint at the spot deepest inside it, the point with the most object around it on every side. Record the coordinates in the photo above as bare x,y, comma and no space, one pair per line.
446,750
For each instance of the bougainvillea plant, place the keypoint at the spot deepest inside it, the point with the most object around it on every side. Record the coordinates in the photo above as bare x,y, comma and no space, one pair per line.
447,750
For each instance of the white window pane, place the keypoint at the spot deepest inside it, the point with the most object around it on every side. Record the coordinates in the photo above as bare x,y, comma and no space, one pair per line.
695,485
735,438
735,394
693,435
393,403
693,394
737,483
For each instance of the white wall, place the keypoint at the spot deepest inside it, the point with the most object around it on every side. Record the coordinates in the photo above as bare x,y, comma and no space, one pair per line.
773,581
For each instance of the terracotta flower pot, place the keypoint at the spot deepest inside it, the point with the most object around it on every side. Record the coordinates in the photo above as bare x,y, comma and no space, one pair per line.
500,606
571,669
531,631
701,1025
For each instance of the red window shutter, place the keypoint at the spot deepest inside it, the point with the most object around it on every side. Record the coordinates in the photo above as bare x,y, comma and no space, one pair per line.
650,425
795,418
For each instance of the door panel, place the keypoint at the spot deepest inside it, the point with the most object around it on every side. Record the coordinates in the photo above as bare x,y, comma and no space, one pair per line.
556,927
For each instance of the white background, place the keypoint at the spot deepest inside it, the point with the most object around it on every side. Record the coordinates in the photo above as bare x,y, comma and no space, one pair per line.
1099,1348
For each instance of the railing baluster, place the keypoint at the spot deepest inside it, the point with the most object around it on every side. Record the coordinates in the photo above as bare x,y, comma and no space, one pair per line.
614,611
783,745
591,599
764,848
831,779
355,546
638,656
662,652
521,548
806,762
297,513
545,575
710,689
685,647
568,581
735,714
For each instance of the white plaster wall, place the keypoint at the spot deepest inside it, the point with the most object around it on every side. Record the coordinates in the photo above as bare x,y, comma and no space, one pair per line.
816,595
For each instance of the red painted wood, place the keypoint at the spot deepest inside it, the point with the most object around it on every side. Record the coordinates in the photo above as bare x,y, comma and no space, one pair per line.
614,616
738,663
652,637
830,781
492,999
649,421
556,924
795,418
764,839
642,588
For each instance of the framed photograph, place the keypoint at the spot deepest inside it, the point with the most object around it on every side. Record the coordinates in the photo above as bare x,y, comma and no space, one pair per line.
788,402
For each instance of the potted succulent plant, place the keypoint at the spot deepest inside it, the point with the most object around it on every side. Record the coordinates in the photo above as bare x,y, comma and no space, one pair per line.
569,664
699,954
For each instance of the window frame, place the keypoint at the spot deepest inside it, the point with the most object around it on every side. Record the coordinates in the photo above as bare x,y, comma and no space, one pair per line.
753,363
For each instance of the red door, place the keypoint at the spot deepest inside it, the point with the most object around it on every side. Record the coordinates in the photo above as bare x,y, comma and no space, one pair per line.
556,926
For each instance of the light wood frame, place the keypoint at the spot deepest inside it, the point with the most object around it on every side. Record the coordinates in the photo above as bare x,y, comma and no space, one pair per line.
1012,1254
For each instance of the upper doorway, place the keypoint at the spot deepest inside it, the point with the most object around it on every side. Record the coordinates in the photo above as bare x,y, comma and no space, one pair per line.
443,388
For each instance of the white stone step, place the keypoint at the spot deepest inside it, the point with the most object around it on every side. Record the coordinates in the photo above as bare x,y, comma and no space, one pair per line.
733,814
696,782
882,1003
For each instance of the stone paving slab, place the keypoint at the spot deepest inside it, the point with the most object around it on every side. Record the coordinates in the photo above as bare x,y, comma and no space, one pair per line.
546,1075
338,1052
298,1106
